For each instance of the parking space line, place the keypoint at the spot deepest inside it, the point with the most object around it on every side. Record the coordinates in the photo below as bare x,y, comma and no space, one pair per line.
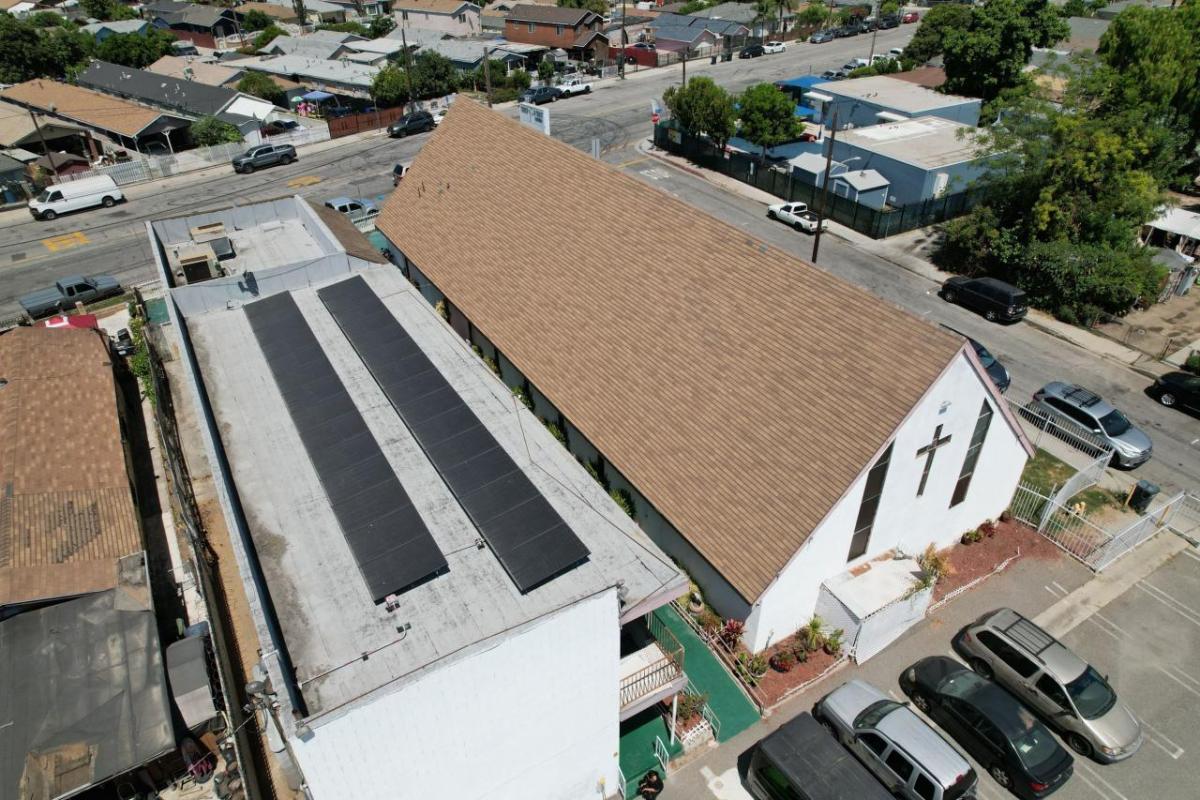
1103,629
1191,555
1093,773
1053,592
1188,613
1169,672
1099,792
1112,624
1156,735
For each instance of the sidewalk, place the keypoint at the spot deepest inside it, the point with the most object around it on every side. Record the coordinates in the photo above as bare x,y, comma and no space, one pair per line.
883,249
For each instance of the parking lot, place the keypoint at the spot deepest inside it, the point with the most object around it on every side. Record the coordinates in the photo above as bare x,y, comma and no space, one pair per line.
1147,640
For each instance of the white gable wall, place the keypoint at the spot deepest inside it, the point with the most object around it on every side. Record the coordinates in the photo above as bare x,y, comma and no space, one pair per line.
533,716
249,106
903,521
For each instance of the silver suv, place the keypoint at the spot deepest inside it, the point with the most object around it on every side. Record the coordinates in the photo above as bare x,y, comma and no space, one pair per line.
1040,671
907,755
1131,446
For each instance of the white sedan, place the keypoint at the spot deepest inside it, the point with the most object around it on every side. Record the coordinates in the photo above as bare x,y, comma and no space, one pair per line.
774,47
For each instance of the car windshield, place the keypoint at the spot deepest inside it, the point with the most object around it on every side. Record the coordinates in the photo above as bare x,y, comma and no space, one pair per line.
870,716
1034,744
1114,423
985,358
44,196
960,684
1092,695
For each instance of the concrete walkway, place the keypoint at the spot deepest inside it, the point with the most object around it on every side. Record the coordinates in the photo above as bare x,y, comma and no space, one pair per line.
884,249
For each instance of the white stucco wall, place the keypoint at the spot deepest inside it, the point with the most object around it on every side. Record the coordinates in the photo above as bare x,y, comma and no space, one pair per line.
249,106
469,25
535,715
903,521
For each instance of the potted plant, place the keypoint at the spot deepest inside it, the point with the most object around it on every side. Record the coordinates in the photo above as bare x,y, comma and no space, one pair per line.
732,632
783,661
833,642
695,601
758,666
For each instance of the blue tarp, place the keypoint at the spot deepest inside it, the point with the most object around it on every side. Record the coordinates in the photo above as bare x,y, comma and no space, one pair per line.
317,96
805,112
803,82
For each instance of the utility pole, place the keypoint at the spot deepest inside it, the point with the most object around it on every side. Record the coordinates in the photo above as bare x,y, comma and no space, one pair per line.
825,187
487,76
42,139
875,16
407,70
624,42
684,62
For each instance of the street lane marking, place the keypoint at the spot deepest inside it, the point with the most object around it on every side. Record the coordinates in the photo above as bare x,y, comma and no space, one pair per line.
66,241
304,180
631,162
1185,611
1191,555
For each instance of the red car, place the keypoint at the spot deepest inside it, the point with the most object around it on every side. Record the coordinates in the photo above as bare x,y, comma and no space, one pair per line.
909,16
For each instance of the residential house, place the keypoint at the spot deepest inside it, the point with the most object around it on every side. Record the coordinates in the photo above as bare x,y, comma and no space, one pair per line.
278,12
69,516
17,129
694,42
415,37
315,11
884,98
336,77
61,164
467,54
671,29
577,31
455,17
210,73
364,9
123,123
490,580
779,21
103,30
206,26
783,482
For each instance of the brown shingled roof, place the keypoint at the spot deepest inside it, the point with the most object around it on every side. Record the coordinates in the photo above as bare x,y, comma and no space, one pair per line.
83,105
740,389
66,510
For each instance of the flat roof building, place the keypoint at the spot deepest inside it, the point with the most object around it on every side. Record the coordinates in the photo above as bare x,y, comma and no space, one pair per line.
884,98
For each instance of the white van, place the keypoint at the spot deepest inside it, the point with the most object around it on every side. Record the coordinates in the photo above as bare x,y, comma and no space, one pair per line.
60,198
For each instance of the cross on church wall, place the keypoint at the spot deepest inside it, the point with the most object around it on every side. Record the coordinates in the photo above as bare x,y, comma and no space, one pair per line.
929,451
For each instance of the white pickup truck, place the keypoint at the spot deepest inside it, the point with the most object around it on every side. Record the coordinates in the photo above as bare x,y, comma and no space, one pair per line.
797,215
574,85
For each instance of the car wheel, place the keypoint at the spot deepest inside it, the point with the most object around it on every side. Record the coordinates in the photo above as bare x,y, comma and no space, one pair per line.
1167,399
49,215
798,226
587,90
285,160
982,668
770,214
989,315
921,702
1000,775
949,295
1079,744
248,169
108,202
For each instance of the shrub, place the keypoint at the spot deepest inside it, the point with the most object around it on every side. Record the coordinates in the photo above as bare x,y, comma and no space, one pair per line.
811,635
970,537
492,365
710,621
624,499
732,632
1192,364
934,564
522,395
442,309
799,652
1005,515
690,705
758,666
833,642
783,661
555,431
596,470
988,529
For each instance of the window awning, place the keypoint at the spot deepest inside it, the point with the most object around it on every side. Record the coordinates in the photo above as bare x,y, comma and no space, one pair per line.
888,116
820,97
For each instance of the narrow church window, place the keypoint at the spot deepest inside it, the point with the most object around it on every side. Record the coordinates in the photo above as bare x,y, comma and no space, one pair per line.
929,451
870,504
968,467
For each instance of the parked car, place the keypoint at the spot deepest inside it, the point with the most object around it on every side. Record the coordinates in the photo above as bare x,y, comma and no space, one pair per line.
896,52
540,94
996,300
889,22
752,51
337,112
910,758
65,293
831,75
1131,446
910,16
265,155
398,173
774,47
801,760
278,126
642,46
820,37
122,343
59,198
869,24
995,370
1064,689
1178,389
573,86
438,116
797,215
414,122
354,207
1018,751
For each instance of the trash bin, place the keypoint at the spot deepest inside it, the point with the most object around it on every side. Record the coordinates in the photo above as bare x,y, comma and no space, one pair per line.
714,60
1143,493
727,56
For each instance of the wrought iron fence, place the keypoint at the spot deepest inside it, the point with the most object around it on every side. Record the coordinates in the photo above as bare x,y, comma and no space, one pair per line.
1042,423
876,223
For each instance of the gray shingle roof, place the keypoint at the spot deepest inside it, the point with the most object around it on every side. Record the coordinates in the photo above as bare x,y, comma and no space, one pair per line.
548,15
151,88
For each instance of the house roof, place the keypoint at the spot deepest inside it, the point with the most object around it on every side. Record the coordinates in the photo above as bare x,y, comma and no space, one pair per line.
10,164
549,15
273,10
189,14
358,76
470,51
152,88
721,376
717,26
675,33
433,6
927,142
886,90
416,37
863,180
117,26
307,46
585,38
17,128
96,109
85,695
67,511
210,74
1085,33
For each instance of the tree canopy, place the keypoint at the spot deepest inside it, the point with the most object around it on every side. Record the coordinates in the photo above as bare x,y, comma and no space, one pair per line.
389,87
434,75
256,20
135,49
381,26
989,54
813,14
357,28
209,130
702,107
928,42
107,10
597,6
267,35
28,51
768,116
260,85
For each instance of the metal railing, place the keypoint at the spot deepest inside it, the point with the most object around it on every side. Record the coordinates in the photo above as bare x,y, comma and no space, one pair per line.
1043,424
662,671
661,753
726,655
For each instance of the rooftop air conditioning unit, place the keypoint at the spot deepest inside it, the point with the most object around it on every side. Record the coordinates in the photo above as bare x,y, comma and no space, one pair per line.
206,233
193,262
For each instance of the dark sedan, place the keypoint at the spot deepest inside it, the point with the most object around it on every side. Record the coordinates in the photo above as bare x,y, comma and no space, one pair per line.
1017,750
752,51
416,122
1178,389
541,94
995,370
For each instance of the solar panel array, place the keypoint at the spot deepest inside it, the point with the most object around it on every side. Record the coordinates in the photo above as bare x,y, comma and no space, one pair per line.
528,536
390,541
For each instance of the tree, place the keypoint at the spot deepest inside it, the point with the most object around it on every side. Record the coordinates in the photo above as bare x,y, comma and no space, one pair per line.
928,42
256,20
889,8
268,35
381,26
545,70
434,75
135,49
107,10
209,130
357,28
600,7
768,117
260,85
27,51
390,86
702,107
813,15
48,19
990,54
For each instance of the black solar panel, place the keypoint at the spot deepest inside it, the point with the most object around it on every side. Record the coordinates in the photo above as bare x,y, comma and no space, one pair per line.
523,529
390,542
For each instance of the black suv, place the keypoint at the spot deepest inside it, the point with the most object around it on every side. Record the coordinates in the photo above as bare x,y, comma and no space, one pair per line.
265,155
416,122
752,51
1017,750
541,94
996,300
888,22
